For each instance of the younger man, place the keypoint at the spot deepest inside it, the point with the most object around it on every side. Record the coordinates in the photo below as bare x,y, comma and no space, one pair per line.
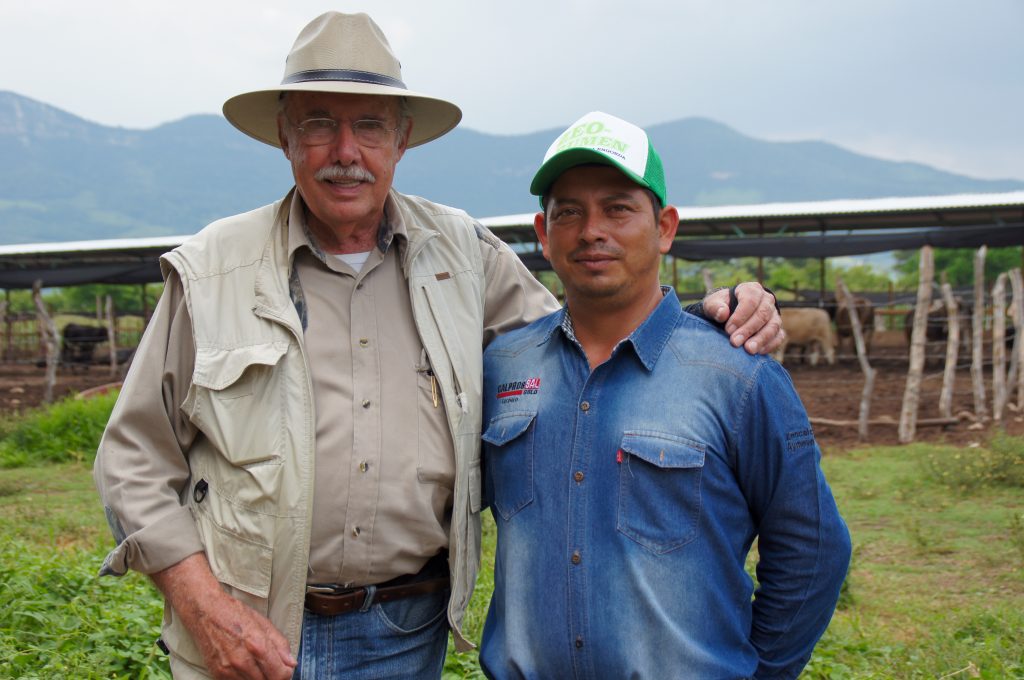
630,461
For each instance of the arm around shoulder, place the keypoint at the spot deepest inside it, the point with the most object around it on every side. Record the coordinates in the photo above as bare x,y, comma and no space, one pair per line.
513,297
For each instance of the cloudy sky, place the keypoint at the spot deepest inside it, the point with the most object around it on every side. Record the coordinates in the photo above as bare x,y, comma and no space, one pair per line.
935,81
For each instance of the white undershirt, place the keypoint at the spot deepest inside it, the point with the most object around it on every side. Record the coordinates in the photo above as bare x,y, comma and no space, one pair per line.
354,260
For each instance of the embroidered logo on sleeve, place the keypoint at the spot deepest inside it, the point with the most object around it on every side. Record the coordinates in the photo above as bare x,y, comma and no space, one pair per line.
511,391
799,439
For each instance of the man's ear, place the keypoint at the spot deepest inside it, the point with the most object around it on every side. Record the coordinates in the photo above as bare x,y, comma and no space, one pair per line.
540,226
404,139
668,225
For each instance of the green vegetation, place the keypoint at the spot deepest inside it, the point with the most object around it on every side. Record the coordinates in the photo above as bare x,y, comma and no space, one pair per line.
958,263
781,275
69,431
936,588
937,581
126,298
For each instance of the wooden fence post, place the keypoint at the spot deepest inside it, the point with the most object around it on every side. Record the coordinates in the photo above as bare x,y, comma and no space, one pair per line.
999,348
48,331
912,393
977,344
1015,379
709,282
112,335
952,349
8,328
869,373
7,340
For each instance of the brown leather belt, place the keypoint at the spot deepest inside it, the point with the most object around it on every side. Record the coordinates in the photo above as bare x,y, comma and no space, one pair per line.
326,601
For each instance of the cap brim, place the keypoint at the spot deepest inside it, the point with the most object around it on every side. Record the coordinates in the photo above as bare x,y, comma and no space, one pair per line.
553,168
255,113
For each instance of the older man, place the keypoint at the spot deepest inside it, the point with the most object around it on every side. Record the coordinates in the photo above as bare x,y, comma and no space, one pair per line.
294,458
630,461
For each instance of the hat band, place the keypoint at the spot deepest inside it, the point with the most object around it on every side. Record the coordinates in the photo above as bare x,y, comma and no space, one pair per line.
347,75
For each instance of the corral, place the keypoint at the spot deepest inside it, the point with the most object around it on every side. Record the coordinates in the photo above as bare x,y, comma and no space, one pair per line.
831,392
815,230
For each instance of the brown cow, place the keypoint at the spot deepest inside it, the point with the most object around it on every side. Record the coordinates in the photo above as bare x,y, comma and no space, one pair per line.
844,328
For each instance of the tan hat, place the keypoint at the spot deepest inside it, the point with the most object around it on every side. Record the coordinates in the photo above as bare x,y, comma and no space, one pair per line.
345,53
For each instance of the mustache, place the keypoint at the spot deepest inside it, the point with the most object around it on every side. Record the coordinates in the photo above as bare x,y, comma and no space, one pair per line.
338,173
587,252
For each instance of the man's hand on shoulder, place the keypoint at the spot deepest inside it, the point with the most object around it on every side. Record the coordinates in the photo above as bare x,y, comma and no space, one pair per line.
755,324
237,643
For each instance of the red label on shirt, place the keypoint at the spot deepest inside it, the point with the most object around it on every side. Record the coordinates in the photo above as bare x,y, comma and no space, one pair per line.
518,388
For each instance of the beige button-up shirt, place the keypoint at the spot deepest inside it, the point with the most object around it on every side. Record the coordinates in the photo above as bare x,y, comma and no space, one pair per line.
384,456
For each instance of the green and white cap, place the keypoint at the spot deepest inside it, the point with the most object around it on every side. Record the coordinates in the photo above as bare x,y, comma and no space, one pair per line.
601,138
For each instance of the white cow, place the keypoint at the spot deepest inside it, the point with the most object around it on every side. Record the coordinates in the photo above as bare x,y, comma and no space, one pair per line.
809,327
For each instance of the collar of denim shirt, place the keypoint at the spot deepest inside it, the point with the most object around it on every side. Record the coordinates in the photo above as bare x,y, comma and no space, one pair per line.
649,338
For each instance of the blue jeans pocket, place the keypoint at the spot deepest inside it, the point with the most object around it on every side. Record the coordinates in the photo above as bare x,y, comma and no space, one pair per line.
412,614
659,489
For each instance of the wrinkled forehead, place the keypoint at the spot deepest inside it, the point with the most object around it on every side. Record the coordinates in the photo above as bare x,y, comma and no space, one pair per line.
341,106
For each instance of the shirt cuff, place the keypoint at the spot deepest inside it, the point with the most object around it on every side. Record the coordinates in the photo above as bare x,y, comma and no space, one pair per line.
162,544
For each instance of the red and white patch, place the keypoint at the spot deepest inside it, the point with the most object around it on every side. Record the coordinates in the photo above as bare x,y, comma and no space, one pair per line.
518,388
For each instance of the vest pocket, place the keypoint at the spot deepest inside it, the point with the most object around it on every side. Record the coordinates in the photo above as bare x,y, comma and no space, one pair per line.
243,563
236,400
659,489
508,462
242,566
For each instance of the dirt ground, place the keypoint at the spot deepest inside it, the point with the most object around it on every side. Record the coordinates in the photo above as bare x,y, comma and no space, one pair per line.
834,393
831,392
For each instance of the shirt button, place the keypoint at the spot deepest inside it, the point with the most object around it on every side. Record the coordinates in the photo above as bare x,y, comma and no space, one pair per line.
359,286
579,642
363,342
576,559
366,403
355,532
364,466
585,406
578,476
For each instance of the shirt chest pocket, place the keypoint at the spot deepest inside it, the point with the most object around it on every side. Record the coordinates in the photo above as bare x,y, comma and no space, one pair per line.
508,462
659,501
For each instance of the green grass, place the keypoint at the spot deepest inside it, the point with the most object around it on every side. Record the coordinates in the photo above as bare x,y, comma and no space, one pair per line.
937,581
936,588
69,431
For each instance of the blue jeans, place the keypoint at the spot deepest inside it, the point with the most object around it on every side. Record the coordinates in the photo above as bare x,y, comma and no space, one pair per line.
402,639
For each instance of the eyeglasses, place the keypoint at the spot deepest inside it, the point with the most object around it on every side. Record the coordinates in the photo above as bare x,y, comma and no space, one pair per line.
368,132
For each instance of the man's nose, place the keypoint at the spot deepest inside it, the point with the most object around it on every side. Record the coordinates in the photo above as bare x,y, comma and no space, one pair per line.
346,147
594,228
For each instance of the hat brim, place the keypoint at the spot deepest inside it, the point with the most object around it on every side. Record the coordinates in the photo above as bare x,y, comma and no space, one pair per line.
553,168
255,113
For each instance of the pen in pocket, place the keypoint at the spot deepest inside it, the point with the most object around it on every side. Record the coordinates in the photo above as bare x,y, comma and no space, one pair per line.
433,388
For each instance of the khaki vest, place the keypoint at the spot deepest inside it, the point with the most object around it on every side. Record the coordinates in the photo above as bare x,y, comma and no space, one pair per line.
252,399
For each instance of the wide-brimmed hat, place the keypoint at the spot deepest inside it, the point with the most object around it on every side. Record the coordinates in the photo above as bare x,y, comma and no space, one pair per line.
344,53
602,138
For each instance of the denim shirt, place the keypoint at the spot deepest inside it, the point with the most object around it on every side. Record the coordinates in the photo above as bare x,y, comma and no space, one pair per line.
627,498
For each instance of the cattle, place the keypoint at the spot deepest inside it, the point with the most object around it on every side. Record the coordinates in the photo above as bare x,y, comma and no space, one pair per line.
937,325
78,343
808,327
844,327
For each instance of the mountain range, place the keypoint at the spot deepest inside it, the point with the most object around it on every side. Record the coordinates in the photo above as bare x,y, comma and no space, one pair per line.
64,178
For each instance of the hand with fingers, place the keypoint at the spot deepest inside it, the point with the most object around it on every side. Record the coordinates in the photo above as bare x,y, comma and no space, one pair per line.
237,643
751,318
